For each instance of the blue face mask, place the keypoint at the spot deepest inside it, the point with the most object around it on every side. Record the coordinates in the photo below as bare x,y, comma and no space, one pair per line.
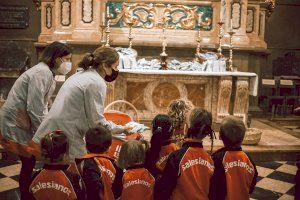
112,77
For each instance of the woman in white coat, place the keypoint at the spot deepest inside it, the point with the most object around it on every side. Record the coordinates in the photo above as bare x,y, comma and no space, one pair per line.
26,106
79,104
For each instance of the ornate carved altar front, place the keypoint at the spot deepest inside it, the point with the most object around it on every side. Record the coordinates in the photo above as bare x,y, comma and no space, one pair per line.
152,91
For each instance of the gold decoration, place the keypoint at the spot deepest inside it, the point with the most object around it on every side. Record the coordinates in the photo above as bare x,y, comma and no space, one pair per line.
149,15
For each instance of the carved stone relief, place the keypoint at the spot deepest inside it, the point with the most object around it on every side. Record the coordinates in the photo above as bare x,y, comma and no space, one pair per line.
159,94
225,85
250,21
236,9
65,13
150,15
48,16
241,98
87,11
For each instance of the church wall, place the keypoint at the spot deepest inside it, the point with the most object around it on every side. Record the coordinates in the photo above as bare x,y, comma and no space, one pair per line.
26,37
283,32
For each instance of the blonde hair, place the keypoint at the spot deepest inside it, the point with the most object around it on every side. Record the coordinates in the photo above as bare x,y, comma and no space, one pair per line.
132,153
178,110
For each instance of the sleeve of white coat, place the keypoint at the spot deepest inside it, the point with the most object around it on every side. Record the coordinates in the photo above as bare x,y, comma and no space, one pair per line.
38,87
94,100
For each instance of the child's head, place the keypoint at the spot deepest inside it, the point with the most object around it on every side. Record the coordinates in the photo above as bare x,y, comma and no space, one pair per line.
200,124
54,146
162,126
178,110
98,140
232,131
132,153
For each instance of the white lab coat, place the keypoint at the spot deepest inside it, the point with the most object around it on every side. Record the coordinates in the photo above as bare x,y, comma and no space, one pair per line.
78,106
26,104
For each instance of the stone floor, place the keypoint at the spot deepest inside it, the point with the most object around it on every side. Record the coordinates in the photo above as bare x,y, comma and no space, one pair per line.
275,173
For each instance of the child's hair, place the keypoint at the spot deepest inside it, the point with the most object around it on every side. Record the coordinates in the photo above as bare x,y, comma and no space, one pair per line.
232,131
200,125
132,153
162,130
98,140
54,146
178,110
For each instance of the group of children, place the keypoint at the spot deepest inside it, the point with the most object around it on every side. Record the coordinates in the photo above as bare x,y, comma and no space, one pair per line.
159,170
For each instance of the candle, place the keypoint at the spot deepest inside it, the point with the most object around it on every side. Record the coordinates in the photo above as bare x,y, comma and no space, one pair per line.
200,18
103,18
223,10
107,11
231,24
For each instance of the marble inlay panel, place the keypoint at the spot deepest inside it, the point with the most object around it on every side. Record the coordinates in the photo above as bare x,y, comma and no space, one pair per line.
135,94
196,94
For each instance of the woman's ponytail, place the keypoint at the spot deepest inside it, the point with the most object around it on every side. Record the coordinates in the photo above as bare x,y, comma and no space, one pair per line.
87,61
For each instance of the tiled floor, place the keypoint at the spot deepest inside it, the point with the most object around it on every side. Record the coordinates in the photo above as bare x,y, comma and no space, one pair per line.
275,181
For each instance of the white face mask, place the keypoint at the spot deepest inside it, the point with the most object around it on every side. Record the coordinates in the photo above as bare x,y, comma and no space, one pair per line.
64,68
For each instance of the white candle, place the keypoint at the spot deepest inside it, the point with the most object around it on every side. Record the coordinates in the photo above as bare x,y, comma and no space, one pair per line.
231,24
223,10
103,18
107,11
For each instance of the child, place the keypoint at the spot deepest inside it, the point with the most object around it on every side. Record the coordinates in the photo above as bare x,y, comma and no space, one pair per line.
178,111
96,167
235,173
137,182
54,180
189,170
161,145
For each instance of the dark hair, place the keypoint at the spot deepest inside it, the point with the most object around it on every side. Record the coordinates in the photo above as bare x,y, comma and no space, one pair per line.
162,130
53,51
232,131
98,140
132,153
54,145
200,125
106,55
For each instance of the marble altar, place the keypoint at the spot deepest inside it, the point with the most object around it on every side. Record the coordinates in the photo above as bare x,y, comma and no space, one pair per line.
151,91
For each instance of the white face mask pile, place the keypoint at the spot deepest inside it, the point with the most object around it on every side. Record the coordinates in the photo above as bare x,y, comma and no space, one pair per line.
65,67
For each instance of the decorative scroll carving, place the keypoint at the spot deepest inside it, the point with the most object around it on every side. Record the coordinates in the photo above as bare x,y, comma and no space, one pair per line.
250,21
241,98
236,10
48,9
225,86
87,11
65,12
150,15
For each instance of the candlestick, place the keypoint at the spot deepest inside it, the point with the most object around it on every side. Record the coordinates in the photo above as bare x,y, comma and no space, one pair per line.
220,38
164,55
107,31
102,27
130,24
230,61
199,39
